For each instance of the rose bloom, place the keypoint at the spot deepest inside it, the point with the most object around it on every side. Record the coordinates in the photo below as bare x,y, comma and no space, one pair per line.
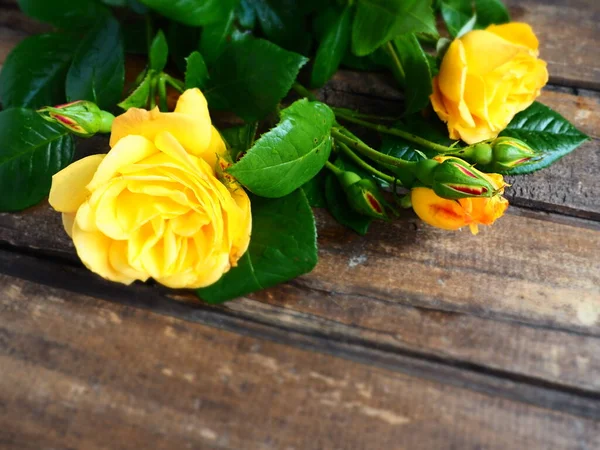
454,214
486,77
152,207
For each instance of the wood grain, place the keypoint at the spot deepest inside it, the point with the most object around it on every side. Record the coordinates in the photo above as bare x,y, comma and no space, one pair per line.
74,367
410,288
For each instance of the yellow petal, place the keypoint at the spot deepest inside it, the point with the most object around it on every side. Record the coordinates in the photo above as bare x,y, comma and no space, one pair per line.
93,250
190,123
452,79
129,150
216,148
68,219
68,190
517,33
487,51
437,211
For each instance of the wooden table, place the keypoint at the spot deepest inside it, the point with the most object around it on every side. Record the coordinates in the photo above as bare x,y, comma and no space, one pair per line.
408,338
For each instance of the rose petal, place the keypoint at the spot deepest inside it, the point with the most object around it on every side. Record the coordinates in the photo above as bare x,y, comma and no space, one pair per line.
68,190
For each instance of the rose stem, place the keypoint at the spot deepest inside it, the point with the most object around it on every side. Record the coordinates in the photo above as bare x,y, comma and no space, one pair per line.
359,162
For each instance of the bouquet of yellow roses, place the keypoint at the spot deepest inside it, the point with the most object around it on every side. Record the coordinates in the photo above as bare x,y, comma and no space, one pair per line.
228,211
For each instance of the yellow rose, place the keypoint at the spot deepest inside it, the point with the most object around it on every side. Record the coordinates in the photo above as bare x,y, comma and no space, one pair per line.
454,214
486,77
153,207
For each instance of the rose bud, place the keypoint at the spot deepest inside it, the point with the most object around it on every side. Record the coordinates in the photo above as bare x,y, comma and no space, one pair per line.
363,195
82,118
454,179
509,152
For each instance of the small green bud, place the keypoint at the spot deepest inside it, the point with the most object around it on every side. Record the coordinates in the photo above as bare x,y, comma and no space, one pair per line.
82,117
482,153
509,152
424,171
363,195
455,178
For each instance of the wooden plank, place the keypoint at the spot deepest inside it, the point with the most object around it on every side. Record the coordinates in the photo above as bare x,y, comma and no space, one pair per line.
570,186
74,367
412,289
569,34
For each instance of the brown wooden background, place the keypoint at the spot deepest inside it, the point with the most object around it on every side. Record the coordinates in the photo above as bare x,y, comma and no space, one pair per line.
408,338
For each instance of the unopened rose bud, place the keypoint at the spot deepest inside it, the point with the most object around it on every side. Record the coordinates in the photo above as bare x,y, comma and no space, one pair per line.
510,152
82,117
455,178
363,195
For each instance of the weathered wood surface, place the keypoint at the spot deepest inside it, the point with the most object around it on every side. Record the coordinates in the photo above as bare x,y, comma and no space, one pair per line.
185,385
409,337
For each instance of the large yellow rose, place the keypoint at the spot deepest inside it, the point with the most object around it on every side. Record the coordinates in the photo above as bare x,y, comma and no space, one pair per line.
486,77
152,207
454,214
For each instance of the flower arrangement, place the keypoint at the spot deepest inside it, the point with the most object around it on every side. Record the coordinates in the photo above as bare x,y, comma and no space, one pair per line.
228,211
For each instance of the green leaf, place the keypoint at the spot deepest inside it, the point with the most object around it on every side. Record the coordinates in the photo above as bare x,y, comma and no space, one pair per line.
31,151
34,72
251,76
283,246
159,52
379,21
332,49
290,154
282,22
416,70
66,14
196,74
314,189
490,11
239,139
461,16
548,133
340,209
139,97
193,12
97,72
215,37
182,41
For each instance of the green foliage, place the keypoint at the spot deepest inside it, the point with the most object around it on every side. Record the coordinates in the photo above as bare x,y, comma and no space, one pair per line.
332,48
239,139
337,201
196,73
182,40
283,246
215,37
417,73
65,14
97,72
159,52
251,76
289,155
314,189
193,12
140,95
490,11
28,160
281,21
379,21
548,133
34,72
461,16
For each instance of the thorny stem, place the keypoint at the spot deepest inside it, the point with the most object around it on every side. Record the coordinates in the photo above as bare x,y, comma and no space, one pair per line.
334,169
359,162
400,133
367,151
